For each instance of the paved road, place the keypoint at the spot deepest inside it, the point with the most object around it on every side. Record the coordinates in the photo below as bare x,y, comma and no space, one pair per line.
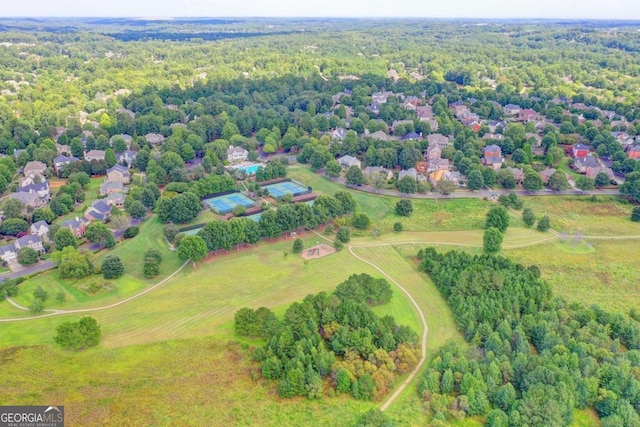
480,194
43,266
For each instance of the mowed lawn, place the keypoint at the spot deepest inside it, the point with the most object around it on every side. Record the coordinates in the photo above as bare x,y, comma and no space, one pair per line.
131,252
200,301
428,214
602,272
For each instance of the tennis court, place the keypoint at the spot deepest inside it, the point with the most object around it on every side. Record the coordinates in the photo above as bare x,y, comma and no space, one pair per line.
225,204
280,189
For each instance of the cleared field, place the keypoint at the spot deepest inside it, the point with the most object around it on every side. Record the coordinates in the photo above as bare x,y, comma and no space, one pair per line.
188,382
602,272
606,216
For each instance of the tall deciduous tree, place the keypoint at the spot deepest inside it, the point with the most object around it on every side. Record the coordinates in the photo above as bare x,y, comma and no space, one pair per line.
192,248
498,217
492,240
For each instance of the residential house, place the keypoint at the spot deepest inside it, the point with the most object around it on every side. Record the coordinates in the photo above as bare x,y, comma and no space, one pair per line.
412,172
154,138
495,124
623,138
438,164
62,149
436,139
29,199
579,151
546,174
339,133
493,136
455,177
379,135
60,161
78,226
41,189
633,152
493,156
424,113
127,158
125,111
115,199
518,174
109,187
527,115
371,171
237,155
443,175
433,152
98,211
380,97
29,241
512,109
118,173
31,179
40,228
593,171
433,124
535,136
17,152
411,136
8,253
94,155
348,161
582,163
34,168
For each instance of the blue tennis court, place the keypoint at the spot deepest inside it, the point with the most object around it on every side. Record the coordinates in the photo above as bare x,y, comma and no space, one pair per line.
225,204
280,189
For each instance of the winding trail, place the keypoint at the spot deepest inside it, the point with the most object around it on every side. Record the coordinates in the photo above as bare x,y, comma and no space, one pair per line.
88,310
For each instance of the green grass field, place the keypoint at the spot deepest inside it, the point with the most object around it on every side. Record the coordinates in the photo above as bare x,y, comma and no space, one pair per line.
131,252
428,214
602,272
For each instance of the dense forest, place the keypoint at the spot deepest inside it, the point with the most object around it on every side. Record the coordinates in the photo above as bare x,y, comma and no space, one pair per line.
530,357
334,337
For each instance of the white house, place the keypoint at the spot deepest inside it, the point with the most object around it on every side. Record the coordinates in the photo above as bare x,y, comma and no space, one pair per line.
237,155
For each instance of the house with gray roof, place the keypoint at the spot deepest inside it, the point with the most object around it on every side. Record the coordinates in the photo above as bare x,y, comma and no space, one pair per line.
41,189
348,161
60,161
94,155
34,168
118,173
29,199
29,241
109,187
127,158
98,211
40,228
115,199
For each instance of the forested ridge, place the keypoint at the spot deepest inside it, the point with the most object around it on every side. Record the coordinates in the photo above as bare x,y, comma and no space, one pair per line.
530,357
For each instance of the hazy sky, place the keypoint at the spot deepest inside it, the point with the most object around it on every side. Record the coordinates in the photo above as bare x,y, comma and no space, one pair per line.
598,9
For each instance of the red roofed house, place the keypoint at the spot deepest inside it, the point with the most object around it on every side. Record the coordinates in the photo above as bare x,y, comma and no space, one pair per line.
527,115
579,151
634,152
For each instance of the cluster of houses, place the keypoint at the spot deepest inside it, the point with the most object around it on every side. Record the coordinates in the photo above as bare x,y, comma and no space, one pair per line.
586,163
34,191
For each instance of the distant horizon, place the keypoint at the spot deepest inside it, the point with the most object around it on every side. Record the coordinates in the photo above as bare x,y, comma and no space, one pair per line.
624,10
310,18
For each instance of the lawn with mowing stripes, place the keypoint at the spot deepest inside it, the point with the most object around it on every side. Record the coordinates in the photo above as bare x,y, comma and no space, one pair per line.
197,301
